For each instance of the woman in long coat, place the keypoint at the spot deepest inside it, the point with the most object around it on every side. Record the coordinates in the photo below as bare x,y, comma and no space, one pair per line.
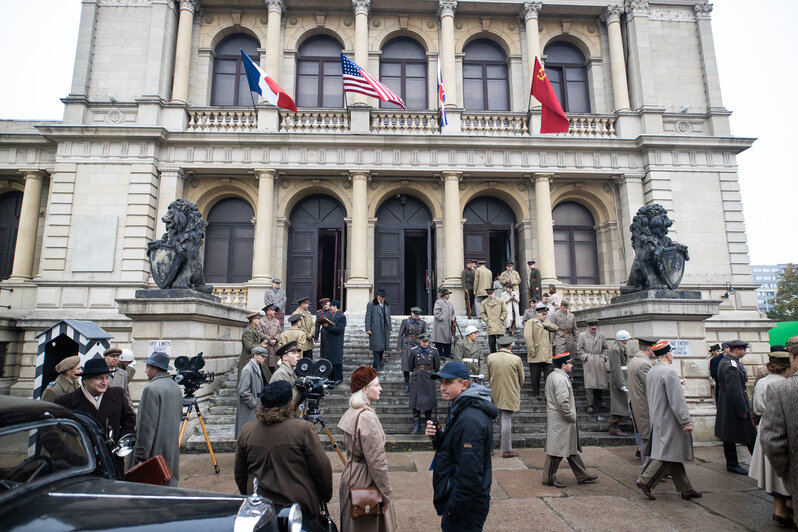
409,331
367,464
378,327
424,361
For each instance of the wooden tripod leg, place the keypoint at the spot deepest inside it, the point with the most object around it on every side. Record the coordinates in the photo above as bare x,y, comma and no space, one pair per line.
208,441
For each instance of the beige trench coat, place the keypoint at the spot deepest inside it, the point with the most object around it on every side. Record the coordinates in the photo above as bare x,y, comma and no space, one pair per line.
669,415
638,370
538,341
562,433
493,313
293,334
592,351
306,325
506,376
510,300
483,279
366,466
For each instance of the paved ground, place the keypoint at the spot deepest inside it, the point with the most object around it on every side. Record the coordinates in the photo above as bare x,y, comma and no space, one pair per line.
519,501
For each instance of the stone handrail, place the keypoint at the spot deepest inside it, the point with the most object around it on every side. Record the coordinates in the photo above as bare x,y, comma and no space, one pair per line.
591,126
220,119
231,294
314,121
589,296
420,122
485,123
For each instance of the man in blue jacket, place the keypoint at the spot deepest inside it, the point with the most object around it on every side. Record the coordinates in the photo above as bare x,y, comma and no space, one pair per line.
461,475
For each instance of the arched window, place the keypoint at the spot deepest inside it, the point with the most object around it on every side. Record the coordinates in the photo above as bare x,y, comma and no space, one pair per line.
10,205
230,85
228,242
485,86
318,78
403,68
575,252
565,67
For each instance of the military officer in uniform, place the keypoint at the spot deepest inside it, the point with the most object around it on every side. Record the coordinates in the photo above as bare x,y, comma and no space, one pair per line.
293,334
535,284
483,279
467,281
493,312
538,347
409,331
320,334
509,277
67,380
733,422
250,338
468,351
639,365
306,325
289,355
565,335
424,361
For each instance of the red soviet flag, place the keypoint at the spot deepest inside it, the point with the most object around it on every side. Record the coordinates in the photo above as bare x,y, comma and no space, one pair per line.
552,118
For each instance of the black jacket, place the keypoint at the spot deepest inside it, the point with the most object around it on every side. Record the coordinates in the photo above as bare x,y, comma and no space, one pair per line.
334,342
462,476
732,403
114,413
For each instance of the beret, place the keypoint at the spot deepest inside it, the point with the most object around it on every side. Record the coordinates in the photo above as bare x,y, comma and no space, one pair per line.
276,394
67,363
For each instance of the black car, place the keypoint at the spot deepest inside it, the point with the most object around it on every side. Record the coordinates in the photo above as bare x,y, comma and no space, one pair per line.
57,473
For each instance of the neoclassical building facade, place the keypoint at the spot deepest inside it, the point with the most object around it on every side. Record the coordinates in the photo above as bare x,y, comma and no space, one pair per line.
348,195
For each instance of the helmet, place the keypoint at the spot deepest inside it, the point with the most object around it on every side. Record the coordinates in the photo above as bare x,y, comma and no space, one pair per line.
622,335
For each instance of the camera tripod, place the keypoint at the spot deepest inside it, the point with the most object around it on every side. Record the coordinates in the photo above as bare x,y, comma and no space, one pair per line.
317,419
191,402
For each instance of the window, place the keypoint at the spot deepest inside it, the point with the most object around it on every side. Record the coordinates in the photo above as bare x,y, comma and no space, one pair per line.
575,252
318,78
230,85
565,67
10,205
485,85
228,242
403,69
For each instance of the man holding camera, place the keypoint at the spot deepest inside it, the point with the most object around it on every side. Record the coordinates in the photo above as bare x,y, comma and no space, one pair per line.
289,356
461,473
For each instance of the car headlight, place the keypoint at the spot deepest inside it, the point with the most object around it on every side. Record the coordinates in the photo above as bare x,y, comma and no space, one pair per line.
290,518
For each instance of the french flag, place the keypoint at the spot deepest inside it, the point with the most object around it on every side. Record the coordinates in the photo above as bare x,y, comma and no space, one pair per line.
265,86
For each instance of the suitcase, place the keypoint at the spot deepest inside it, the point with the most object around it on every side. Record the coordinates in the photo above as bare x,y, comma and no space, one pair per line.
151,471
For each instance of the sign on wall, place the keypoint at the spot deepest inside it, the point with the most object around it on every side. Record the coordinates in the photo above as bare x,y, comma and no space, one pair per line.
681,348
164,346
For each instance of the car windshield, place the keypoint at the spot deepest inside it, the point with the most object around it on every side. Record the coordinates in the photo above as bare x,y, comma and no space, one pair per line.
34,452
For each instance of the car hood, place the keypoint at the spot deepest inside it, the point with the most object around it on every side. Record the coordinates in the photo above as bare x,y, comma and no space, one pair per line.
102,504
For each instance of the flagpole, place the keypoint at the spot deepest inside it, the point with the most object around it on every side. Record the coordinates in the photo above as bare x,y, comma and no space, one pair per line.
254,108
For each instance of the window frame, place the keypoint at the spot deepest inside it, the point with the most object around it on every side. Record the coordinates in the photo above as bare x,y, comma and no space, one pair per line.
403,62
484,63
320,62
573,275
240,71
562,68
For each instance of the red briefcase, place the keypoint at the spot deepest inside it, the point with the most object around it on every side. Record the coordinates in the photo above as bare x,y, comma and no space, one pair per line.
151,471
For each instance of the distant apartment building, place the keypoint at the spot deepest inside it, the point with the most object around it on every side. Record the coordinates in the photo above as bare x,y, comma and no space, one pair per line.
768,278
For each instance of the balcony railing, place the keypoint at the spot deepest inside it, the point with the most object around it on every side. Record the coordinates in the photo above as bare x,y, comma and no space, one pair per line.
314,121
231,294
425,122
589,296
218,119
591,126
495,124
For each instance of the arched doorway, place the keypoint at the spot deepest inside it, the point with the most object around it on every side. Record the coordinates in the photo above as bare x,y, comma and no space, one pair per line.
315,250
489,233
10,205
575,250
403,254
228,242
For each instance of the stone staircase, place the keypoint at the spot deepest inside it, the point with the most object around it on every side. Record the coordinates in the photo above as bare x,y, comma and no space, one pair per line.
529,425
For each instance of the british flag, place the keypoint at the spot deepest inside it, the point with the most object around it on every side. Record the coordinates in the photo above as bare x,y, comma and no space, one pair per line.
441,95
357,79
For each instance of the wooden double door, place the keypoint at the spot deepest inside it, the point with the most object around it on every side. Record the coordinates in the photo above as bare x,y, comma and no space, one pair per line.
316,251
404,254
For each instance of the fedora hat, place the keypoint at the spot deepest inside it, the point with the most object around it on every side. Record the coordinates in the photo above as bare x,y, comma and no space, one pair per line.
95,366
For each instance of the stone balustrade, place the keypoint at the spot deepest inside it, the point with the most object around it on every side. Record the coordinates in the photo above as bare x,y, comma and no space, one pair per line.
424,123
495,124
231,294
218,119
589,296
591,126
314,121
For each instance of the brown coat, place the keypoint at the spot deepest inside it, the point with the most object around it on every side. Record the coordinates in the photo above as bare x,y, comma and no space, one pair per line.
564,342
270,329
592,351
289,462
366,465
506,376
538,340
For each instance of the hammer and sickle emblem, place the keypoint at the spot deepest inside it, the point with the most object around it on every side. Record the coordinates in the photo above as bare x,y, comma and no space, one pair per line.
541,74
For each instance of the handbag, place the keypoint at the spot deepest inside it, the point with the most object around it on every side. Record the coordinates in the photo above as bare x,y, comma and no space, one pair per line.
363,501
153,470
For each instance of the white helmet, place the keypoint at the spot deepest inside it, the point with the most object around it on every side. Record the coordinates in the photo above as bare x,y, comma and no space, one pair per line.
622,335
127,356
471,329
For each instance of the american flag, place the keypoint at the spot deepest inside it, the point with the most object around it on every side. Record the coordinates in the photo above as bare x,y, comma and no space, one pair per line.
358,80
441,95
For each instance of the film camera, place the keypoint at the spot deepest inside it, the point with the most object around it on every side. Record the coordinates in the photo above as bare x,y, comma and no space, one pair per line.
189,375
312,380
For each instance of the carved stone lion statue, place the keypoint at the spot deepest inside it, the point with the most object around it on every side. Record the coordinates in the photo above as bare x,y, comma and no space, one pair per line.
174,259
659,261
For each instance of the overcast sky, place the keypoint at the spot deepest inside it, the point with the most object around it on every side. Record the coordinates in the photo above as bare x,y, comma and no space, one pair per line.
755,43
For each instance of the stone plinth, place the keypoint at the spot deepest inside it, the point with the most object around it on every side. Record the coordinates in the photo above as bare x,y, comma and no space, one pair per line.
677,316
176,293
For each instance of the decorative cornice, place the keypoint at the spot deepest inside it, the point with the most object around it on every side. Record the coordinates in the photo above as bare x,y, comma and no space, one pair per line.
612,14
672,15
446,8
702,11
637,8
531,10
278,6
361,7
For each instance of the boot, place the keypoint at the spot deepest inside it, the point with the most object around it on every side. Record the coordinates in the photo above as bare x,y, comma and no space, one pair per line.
416,422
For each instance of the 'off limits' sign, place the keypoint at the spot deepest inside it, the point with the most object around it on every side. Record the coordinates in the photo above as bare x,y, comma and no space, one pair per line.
164,346
681,348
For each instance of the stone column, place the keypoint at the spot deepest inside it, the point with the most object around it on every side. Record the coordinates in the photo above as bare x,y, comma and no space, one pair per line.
446,10
530,14
28,226
545,228
262,252
272,64
185,26
170,188
361,8
631,197
453,236
358,287
620,90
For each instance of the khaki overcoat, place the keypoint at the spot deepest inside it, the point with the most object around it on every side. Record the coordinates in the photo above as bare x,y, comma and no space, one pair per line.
60,386
483,279
619,400
538,340
493,313
506,376
592,351
639,365
562,432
